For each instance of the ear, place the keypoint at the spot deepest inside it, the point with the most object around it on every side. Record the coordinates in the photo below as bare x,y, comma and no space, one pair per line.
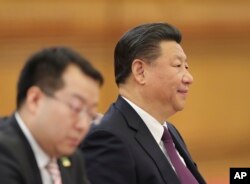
33,98
138,70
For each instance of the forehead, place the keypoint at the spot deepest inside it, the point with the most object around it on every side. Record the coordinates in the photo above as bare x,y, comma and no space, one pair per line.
172,49
78,84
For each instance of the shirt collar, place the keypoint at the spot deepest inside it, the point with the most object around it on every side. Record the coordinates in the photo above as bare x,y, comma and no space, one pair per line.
42,158
154,126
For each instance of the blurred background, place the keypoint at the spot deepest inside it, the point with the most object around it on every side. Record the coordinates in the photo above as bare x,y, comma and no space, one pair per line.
216,38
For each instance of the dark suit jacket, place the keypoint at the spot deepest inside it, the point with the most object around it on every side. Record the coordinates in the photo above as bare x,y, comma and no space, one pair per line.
3,118
18,164
121,150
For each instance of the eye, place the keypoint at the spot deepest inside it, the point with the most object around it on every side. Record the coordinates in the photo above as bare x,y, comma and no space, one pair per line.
177,63
75,108
76,105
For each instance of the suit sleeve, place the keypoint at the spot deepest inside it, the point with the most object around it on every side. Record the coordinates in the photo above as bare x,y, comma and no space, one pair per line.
107,159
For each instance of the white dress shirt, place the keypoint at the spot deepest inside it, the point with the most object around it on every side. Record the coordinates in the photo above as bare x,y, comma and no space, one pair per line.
42,158
155,127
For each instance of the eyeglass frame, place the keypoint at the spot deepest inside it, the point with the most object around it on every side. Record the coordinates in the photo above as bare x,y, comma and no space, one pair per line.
79,112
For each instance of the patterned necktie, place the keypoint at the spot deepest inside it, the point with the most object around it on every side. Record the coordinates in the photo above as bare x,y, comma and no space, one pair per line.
185,176
54,172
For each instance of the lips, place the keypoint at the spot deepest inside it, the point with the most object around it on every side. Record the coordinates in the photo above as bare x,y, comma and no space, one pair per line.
184,91
74,141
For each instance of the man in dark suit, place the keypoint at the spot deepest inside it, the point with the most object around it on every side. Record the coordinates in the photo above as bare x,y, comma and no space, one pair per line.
57,92
128,147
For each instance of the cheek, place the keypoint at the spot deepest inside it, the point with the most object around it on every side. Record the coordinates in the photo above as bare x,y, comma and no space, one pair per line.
85,132
59,125
166,89
171,82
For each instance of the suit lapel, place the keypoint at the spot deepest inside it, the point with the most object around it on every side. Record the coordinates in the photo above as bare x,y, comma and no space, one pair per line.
25,155
180,146
147,142
65,173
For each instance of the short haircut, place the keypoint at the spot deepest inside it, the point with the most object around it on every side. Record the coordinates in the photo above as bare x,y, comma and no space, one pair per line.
141,42
45,68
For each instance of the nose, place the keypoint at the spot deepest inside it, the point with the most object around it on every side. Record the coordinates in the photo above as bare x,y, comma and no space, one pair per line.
187,78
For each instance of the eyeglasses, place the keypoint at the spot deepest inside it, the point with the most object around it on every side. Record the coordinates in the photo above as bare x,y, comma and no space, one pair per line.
81,111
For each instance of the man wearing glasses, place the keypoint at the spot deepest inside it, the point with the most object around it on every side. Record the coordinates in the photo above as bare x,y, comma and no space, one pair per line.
57,96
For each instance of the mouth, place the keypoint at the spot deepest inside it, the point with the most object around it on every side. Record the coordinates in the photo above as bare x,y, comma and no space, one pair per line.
74,142
183,92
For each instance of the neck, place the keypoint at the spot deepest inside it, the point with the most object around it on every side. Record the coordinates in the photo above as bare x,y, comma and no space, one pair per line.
147,104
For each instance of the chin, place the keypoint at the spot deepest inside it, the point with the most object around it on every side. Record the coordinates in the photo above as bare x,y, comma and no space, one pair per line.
67,152
179,107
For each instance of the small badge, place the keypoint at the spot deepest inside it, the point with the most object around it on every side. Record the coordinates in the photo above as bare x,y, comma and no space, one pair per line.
65,161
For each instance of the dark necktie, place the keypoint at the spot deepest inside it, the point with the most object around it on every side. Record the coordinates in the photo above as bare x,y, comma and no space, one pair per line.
185,176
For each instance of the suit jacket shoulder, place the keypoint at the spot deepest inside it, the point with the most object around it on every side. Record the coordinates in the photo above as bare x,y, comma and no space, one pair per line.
122,150
16,156
18,164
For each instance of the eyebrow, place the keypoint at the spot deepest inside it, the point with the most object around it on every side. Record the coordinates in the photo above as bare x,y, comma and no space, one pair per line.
82,99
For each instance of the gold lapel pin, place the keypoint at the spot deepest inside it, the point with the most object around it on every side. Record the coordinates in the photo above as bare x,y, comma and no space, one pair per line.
65,161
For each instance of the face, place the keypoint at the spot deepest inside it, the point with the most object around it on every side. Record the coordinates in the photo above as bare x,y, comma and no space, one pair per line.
168,79
63,120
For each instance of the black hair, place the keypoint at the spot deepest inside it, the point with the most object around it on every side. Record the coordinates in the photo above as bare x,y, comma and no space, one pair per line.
141,42
45,68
